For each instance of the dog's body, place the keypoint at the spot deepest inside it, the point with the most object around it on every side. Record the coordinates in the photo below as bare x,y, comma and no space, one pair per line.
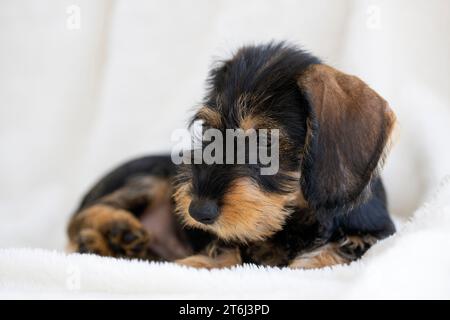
326,205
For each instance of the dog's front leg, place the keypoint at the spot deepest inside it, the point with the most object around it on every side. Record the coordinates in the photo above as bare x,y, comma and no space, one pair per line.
214,257
111,226
350,248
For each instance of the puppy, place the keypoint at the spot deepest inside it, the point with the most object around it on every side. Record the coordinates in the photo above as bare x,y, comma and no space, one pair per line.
325,205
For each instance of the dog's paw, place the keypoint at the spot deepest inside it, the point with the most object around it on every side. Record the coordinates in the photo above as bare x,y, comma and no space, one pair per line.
107,231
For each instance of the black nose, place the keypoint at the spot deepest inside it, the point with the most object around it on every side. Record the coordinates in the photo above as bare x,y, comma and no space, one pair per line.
204,211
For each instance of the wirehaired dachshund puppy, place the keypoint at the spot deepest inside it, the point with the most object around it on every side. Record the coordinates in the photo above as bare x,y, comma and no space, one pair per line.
325,205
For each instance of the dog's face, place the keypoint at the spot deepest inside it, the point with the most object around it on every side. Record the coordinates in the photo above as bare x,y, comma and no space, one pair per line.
332,131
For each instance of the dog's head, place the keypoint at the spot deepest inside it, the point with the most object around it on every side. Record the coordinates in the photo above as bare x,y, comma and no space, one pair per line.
332,133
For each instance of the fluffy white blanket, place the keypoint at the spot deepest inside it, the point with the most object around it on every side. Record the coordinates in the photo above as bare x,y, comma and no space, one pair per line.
414,263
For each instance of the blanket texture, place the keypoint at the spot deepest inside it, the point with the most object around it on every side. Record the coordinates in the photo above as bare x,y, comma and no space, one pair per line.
413,263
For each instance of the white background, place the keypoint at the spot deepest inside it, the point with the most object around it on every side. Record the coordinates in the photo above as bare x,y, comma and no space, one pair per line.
74,103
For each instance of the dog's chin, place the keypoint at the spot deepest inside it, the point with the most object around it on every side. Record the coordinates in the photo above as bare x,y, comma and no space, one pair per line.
247,214
245,232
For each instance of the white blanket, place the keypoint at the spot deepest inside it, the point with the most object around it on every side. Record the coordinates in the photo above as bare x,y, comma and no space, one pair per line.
414,263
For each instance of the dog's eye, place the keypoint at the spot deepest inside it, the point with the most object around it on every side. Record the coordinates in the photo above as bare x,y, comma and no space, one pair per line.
196,133
264,138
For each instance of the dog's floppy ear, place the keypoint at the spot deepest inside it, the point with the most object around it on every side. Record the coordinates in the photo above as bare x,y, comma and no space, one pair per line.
349,125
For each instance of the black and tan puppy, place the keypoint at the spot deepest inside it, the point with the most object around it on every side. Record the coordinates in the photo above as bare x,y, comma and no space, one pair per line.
326,205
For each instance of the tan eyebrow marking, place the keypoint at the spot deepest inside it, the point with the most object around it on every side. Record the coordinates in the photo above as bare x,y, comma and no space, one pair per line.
210,116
